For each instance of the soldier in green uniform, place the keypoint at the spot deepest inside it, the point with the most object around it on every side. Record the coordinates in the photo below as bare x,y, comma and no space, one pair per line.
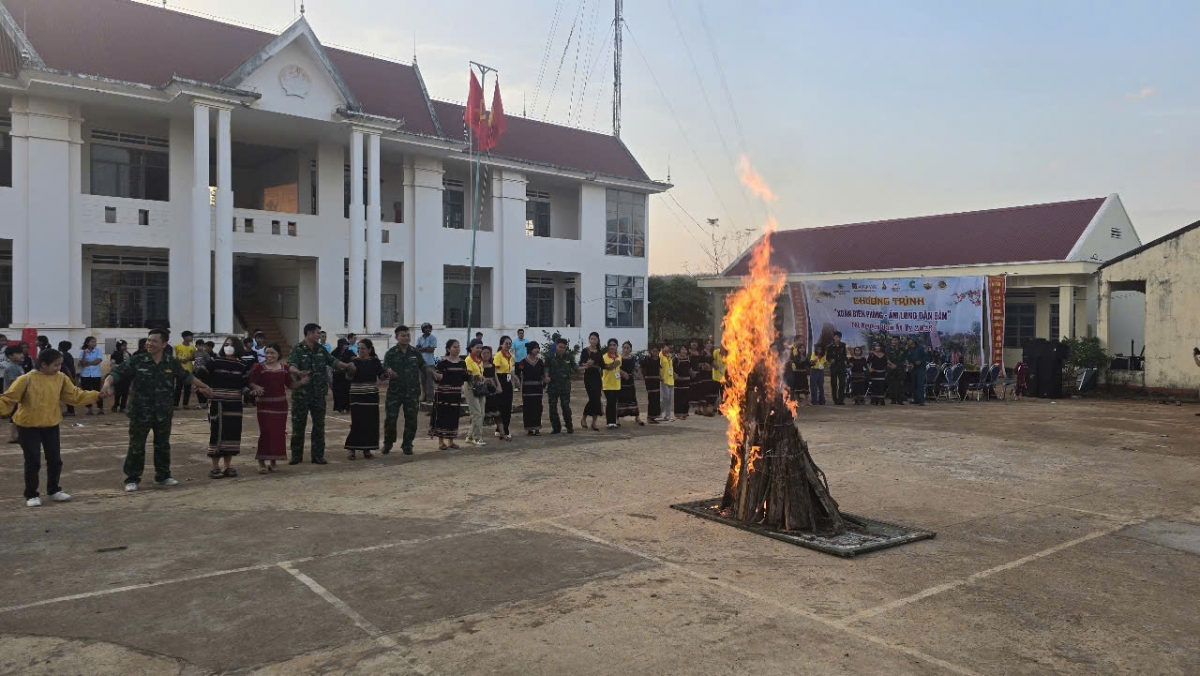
403,366
559,367
897,371
153,376
310,363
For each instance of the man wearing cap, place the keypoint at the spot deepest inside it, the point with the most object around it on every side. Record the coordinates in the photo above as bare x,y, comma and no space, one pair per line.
427,346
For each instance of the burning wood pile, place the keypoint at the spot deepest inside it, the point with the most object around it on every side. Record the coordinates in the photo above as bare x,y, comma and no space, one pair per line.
773,481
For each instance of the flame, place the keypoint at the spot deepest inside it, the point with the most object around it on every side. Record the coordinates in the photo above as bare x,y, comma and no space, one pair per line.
752,180
749,326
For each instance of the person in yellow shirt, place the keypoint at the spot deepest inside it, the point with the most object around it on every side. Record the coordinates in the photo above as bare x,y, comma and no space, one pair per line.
39,393
185,354
666,388
504,360
611,382
816,376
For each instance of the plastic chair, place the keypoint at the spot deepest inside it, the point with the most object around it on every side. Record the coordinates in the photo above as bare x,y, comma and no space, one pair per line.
950,387
987,380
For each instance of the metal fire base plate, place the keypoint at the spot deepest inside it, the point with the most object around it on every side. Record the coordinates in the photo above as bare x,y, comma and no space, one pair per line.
878,534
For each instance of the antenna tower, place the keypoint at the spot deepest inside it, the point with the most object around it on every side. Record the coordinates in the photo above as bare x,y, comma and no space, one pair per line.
618,21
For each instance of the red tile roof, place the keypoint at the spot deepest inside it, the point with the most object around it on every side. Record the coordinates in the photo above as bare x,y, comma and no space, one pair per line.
147,44
551,144
1042,232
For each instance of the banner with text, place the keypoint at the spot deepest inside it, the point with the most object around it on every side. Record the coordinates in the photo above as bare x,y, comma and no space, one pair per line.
942,313
996,290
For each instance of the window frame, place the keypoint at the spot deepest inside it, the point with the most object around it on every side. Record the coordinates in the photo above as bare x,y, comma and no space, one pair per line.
134,180
539,299
537,224
449,204
121,290
1020,326
624,295
625,223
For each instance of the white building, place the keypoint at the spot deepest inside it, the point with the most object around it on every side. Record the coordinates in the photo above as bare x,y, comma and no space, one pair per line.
158,168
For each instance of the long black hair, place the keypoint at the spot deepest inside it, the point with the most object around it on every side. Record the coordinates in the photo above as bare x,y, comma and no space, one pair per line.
449,343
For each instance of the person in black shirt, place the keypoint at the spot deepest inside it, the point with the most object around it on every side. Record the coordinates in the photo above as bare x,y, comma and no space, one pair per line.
858,376
835,360
877,370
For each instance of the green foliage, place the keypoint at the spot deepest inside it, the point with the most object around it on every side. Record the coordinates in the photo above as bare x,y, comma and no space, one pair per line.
1086,353
548,344
679,308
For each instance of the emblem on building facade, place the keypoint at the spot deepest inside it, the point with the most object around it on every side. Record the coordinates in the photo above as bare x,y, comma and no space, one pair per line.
294,81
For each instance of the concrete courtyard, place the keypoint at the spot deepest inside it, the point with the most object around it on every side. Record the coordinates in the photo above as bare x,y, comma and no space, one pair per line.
1068,543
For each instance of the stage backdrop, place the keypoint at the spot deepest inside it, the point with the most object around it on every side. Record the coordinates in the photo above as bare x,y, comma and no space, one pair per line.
943,313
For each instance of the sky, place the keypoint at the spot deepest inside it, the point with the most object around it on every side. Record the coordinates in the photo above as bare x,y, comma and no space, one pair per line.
851,111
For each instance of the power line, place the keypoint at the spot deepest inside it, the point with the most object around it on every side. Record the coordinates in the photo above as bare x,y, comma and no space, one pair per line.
682,130
600,96
546,52
588,79
712,46
681,221
707,102
562,59
587,58
575,70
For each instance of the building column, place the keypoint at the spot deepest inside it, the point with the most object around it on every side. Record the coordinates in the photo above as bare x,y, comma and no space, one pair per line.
223,262
427,255
201,223
374,239
410,268
1066,305
357,232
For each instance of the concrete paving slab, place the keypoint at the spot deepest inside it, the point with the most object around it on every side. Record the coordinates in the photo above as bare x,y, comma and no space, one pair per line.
448,578
1184,537
216,624
48,656
1109,606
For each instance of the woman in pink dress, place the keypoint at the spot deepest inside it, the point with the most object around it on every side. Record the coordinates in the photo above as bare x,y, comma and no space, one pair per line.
269,382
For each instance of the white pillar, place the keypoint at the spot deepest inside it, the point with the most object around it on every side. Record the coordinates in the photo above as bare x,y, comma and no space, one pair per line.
201,222
357,236
223,263
74,192
1066,303
374,239
410,276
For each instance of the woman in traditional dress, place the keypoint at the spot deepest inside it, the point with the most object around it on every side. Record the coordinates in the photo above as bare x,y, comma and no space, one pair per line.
340,383
533,383
449,373
611,383
118,357
365,372
799,368
651,373
503,360
590,361
858,376
877,365
270,381
683,380
704,388
627,403
491,407
229,379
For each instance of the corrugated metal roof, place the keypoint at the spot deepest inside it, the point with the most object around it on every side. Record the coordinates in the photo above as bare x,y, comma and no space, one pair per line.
1041,232
551,144
147,44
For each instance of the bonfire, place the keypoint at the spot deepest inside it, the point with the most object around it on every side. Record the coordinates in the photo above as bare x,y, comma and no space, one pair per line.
773,481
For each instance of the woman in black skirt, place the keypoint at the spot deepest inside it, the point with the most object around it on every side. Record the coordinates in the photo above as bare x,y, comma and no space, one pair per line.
449,373
533,382
491,406
627,403
365,372
118,357
858,376
504,363
340,383
590,361
229,379
651,368
683,381
877,364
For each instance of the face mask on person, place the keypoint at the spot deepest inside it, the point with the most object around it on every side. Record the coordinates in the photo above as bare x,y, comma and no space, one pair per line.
228,350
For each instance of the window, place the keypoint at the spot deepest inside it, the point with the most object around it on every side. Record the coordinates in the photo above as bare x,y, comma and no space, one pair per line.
1054,317
143,217
539,301
387,236
291,228
537,214
454,297
274,227
5,155
248,225
624,301
453,209
1115,233
626,224
129,172
570,302
110,214
133,294
346,187
1020,324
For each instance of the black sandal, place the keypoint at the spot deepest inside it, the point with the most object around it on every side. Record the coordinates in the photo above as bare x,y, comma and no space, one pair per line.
215,474
231,472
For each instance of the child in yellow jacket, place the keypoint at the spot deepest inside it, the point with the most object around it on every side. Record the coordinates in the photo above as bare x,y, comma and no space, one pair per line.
39,393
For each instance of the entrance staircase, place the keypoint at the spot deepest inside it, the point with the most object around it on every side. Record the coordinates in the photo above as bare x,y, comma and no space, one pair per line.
253,316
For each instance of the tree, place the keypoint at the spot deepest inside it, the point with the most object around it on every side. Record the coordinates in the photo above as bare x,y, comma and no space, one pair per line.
679,308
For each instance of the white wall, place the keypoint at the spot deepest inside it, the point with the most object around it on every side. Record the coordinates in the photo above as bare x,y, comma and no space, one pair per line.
319,102
1098,244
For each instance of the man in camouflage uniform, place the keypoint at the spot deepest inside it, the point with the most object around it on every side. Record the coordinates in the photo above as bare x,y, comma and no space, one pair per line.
404,366
559,367
309,362
154,374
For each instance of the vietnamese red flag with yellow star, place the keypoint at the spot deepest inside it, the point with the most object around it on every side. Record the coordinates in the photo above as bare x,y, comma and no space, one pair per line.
496,122
475,116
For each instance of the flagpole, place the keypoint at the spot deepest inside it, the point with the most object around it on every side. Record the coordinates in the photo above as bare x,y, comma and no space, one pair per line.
475,212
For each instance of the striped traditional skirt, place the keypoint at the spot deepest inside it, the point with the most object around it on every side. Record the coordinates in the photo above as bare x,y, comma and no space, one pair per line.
225,423
447,407
364,417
